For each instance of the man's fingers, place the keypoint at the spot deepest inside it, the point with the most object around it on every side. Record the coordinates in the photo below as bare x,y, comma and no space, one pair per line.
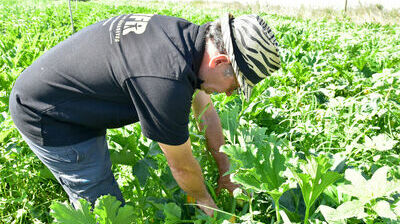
231,187
207,207
225,183
208,211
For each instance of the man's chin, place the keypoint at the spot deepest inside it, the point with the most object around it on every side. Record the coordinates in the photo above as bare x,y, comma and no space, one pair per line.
211,92
205,90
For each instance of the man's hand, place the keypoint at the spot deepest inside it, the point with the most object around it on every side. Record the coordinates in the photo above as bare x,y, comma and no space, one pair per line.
187,173
206,206
224,182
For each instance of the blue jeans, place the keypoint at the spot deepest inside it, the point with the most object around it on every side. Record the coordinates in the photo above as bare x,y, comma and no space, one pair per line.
83,169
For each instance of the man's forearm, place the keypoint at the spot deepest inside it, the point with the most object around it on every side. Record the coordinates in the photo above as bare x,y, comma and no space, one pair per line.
209,120
190,179
187,173
215,139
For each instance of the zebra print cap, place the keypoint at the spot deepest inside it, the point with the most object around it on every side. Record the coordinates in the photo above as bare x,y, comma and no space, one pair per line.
252,49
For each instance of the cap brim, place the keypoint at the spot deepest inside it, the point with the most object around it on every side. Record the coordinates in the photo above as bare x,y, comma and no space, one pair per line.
226,29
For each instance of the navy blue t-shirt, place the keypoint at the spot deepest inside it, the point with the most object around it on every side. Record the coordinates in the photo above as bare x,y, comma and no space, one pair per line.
116,72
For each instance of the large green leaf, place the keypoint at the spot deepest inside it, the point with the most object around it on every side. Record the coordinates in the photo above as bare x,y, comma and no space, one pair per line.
382,208
367,190
254,135
229,122
109,211
315,179
382,142
64,213
346,210
106,211
248,180
172,213
141,169
257,167
241,157
330,215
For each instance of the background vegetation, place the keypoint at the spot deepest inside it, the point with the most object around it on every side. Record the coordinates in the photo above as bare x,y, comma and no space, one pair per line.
318,142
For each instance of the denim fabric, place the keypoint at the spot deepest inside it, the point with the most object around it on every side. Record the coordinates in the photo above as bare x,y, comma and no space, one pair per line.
83,169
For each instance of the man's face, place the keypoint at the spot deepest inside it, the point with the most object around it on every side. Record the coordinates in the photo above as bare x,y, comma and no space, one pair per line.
220,79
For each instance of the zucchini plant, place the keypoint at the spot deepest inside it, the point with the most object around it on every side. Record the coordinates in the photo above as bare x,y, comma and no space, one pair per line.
107,210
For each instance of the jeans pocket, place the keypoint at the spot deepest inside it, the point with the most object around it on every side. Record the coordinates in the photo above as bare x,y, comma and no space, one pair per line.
91,151
67,156
60,159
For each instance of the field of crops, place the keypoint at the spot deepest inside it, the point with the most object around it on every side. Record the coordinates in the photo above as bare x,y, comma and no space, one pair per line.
317,143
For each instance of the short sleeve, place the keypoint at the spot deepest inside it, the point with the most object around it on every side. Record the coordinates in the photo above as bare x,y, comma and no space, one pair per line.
163,106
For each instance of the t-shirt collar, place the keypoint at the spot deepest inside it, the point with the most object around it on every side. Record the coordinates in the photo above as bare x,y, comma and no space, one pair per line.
198,53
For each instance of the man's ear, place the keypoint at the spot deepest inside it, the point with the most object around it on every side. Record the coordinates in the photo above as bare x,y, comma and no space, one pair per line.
218,59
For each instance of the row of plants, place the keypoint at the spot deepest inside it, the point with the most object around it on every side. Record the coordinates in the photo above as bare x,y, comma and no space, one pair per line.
317,142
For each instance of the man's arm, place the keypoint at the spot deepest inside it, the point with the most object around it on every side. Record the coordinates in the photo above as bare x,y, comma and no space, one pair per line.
187,173
214,137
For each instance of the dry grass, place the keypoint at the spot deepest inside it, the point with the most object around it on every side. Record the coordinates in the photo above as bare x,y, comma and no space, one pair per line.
370,14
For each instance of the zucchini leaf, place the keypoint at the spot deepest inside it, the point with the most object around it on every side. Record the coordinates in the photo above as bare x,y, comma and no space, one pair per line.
66,214
106,211
109,211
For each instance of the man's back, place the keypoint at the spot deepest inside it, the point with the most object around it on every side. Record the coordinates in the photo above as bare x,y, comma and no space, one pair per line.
84,85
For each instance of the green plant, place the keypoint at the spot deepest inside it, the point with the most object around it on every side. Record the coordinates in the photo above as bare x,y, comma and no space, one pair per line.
368,193
315,179
107,210
337,93
258,166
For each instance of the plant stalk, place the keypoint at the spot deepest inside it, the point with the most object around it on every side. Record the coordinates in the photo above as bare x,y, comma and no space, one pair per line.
278,217
251,207
306,216
157,179
138,189
70,15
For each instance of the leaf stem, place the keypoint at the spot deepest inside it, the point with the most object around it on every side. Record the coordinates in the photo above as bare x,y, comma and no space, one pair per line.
250,206
70,15
307,214
278,217
138,189
157,179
